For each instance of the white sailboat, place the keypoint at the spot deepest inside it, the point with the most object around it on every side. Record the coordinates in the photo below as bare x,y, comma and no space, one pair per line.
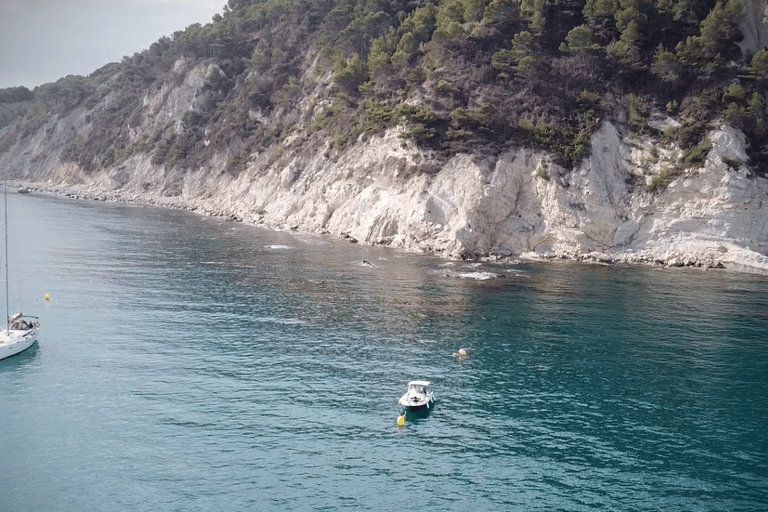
20,331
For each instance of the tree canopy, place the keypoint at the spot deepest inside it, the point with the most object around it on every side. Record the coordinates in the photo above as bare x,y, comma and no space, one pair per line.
459,75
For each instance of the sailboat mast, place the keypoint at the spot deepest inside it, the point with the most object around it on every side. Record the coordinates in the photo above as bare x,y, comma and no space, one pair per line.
5,237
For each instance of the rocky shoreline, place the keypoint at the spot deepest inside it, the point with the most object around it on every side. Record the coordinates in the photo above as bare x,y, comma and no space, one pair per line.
694,252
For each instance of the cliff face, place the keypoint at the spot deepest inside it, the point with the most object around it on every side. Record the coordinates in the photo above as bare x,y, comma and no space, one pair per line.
754,26
214,136
519,204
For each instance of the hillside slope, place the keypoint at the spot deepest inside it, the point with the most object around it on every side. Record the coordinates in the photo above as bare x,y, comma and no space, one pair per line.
614,131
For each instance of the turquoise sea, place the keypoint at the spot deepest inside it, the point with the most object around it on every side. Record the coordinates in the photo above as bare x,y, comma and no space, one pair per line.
186,363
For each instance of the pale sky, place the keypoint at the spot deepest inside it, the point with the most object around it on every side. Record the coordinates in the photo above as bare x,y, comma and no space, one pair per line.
44,40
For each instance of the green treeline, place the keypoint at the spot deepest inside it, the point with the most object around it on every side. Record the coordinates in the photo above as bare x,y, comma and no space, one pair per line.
460,75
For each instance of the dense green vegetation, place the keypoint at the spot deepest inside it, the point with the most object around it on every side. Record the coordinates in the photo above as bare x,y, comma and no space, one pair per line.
460,75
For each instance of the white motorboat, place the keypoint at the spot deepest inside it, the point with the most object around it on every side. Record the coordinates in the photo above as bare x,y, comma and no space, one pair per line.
20,331
419,396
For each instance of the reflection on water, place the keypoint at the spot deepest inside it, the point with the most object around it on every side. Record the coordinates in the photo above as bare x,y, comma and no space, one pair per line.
187,363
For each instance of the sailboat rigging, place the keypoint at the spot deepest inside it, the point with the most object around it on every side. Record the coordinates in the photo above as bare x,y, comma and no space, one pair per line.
20,331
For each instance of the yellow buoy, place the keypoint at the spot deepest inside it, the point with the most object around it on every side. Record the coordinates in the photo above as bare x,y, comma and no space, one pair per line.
47,297
401,420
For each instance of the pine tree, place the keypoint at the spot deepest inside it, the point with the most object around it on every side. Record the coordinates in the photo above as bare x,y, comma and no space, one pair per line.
579,39
665,64
758,66
717,32
596,10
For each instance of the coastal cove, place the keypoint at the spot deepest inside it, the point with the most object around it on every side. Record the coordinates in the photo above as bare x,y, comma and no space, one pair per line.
191,363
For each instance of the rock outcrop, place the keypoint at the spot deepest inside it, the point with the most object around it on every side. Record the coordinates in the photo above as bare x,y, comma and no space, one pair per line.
754,26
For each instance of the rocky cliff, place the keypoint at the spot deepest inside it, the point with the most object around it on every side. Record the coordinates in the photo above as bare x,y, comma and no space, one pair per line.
383,188
517,205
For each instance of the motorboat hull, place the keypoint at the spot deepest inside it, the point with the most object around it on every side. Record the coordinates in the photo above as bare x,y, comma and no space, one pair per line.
410,402
419,407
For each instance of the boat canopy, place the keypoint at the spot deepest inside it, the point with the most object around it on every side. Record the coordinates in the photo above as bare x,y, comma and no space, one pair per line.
424,383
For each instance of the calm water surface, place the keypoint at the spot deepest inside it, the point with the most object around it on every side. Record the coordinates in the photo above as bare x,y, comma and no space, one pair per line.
190,364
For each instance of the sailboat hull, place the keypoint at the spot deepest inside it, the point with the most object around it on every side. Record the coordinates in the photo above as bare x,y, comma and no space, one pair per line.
14,341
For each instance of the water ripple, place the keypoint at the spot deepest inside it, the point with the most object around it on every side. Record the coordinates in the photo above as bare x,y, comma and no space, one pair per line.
192,364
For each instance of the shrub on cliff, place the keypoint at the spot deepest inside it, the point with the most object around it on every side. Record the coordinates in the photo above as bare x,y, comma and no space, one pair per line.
16,94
